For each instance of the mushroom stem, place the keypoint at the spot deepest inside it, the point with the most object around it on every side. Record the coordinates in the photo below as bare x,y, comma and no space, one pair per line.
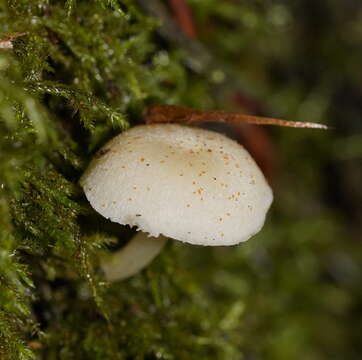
133,257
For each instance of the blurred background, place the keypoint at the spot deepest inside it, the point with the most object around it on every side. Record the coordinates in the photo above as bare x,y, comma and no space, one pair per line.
294,290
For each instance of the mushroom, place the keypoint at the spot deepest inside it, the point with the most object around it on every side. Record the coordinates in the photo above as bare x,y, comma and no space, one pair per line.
179,182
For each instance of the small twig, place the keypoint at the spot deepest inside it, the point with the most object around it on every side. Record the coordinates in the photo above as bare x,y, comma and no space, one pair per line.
181,114
7,42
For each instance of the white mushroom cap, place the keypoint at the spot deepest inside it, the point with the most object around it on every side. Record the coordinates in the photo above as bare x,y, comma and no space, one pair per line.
186,183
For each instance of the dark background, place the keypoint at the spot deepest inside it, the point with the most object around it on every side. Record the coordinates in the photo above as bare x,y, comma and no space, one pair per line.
300,278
